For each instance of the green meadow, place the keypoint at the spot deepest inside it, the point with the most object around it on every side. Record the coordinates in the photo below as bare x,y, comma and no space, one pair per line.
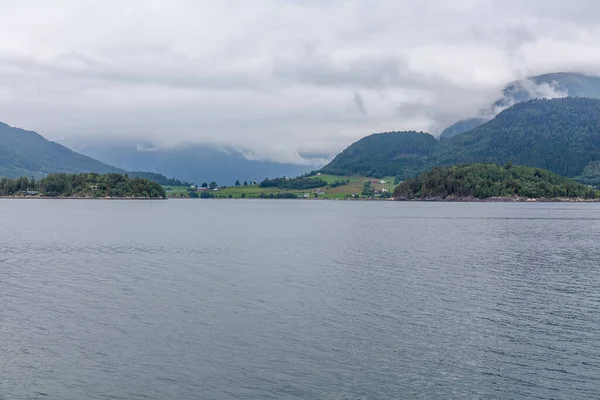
347,190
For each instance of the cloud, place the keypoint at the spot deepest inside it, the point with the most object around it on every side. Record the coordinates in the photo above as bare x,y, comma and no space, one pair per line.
359,103
275,78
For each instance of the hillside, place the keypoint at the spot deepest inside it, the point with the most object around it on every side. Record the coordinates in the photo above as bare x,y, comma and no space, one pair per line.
26,153
552,85
561,135
385,154
483,181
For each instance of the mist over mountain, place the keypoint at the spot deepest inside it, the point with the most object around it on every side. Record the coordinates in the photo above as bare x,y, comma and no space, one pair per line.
561,135
547,86
195,163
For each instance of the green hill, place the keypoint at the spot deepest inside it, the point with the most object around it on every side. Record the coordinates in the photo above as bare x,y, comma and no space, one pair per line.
26,153
482,181
561,135
558,84
385,154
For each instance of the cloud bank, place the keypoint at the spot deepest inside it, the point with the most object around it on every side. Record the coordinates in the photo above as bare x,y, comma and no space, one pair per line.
276,78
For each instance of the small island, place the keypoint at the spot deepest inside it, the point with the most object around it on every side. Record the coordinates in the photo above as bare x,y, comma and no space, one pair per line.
82,186
490,182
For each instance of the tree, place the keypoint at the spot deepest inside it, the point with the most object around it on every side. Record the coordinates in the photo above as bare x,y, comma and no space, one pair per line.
243,195
205,185
245,183
212,185
368,189
237,183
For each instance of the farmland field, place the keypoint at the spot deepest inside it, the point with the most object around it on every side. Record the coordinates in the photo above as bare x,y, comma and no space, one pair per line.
354,186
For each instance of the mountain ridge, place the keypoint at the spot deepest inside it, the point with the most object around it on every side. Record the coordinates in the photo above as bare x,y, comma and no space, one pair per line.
550,85
561,135
27,153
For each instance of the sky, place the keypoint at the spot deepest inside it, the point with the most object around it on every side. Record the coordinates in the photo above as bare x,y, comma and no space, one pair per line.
275,77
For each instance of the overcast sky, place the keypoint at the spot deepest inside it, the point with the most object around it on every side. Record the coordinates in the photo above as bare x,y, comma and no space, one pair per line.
276,77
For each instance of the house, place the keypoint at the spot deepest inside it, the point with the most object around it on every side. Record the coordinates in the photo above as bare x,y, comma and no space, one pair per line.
215,189
202,189
384,190
31,193
320,192
306,195
383,182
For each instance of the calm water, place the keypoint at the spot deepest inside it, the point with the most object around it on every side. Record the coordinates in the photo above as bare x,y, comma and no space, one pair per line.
298,300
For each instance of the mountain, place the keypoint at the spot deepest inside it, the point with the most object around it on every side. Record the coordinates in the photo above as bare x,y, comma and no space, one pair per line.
561,135
26,153
462,126
385,154
482,181
192,163
561,84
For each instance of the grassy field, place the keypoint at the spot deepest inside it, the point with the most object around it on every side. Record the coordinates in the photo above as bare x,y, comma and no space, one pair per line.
341,192
176,191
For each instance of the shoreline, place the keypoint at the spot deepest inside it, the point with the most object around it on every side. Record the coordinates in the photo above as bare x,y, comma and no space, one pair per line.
468,199
76,198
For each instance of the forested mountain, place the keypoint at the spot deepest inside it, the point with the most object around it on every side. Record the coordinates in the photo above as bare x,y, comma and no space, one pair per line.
26,153
552,85
483,181
385,154
561,135
462,126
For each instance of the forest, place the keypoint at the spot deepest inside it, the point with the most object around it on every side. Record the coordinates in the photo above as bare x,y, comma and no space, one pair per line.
300,183
90,185
483,181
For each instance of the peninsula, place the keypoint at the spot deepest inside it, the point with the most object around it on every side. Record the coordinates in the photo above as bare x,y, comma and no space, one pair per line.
82,186
490,182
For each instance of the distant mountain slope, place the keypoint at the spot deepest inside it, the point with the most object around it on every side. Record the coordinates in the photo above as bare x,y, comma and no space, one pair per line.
462,126
26,153
192,163
385,154
561,135
561,84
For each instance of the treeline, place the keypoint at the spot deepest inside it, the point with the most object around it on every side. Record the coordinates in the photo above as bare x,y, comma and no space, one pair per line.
82,185
300,183
490,180
337,183
158,178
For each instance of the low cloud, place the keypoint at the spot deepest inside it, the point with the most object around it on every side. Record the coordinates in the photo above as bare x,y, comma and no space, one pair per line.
277,79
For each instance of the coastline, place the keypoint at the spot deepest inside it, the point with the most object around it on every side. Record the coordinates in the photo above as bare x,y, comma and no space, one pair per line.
470,199
77,198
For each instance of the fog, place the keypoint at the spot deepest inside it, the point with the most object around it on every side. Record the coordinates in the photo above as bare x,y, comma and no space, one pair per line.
276,79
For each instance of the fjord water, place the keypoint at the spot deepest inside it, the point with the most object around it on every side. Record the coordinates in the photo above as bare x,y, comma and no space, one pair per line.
298,300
